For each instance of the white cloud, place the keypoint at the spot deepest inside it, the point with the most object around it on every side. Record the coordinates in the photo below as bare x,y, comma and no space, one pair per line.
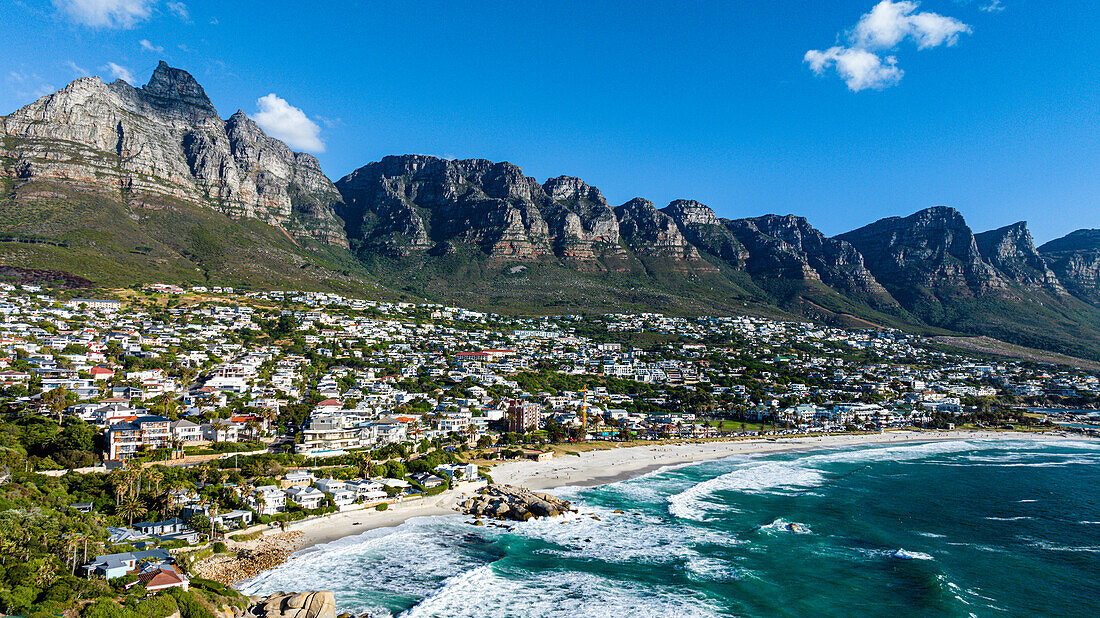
77,70
106,13
994,6
149,47
859,68
118,71
179,9
282,120
860,63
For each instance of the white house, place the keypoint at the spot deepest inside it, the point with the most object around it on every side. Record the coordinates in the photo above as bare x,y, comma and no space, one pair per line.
306,497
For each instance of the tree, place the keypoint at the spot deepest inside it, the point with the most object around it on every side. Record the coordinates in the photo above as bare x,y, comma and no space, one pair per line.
130,509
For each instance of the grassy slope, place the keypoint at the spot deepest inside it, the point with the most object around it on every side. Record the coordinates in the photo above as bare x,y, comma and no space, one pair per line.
100,237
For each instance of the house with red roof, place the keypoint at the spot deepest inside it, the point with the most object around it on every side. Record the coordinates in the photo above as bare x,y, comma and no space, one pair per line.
100,373
162,578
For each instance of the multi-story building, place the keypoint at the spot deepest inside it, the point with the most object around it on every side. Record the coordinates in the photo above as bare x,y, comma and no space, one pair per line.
523,416
125,440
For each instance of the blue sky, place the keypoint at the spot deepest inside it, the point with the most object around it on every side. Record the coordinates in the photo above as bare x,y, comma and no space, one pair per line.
841,111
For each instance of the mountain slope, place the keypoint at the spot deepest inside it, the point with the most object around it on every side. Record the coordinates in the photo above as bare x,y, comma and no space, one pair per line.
167,140
122,185
1075,261
994,284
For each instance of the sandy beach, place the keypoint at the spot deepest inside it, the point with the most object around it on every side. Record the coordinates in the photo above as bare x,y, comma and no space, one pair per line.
339,525
620,464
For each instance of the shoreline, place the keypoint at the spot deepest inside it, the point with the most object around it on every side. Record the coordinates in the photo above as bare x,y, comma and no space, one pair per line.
600,467
590,468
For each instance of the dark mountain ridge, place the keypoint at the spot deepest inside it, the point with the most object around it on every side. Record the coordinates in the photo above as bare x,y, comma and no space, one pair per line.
121,184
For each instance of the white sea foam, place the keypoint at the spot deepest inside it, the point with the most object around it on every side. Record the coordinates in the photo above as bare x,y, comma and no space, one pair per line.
932,535
710,569
754,478
782,525
484,592
621,537
902,554
409,560
1017,518
1048,546
762,477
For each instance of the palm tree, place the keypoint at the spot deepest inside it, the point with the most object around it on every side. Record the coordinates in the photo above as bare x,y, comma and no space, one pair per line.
131,508
260,502
155,476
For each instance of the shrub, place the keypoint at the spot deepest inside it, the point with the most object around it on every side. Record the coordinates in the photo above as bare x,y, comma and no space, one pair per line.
381,507
220,548
160,606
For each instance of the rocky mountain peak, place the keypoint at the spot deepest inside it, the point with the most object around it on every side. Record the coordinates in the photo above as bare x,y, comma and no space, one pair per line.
175,89
165,141
652,233
1079,240
690,212
931,252
1011,250
1075,261
568,188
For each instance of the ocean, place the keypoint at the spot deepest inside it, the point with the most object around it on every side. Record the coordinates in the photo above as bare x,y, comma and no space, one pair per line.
961,528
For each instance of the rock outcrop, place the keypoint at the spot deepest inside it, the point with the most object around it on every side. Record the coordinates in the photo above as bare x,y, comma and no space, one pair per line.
1012,252
514,503
702,228
788,247
930,255
1075,261
654,234
319,604
165,139
413,202
583,226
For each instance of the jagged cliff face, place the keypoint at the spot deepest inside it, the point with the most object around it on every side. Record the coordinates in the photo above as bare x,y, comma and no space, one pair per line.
789,247
1075,261
1012,252
581,222
166,139
411,203
702,228
652,233
930,252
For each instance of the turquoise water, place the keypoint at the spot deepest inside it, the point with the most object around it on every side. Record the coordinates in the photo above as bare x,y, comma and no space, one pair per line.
942,529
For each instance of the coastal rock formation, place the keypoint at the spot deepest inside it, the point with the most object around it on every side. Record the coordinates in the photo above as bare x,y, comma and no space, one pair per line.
319,604
165,139
249,559
515,503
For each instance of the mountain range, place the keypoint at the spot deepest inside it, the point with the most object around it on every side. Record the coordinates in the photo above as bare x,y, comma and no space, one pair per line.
122,186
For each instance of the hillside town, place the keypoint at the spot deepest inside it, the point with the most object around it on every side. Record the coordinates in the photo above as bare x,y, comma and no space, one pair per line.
239,369
194,415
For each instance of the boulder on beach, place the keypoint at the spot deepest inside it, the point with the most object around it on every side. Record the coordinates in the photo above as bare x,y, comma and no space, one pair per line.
317,604
515,503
